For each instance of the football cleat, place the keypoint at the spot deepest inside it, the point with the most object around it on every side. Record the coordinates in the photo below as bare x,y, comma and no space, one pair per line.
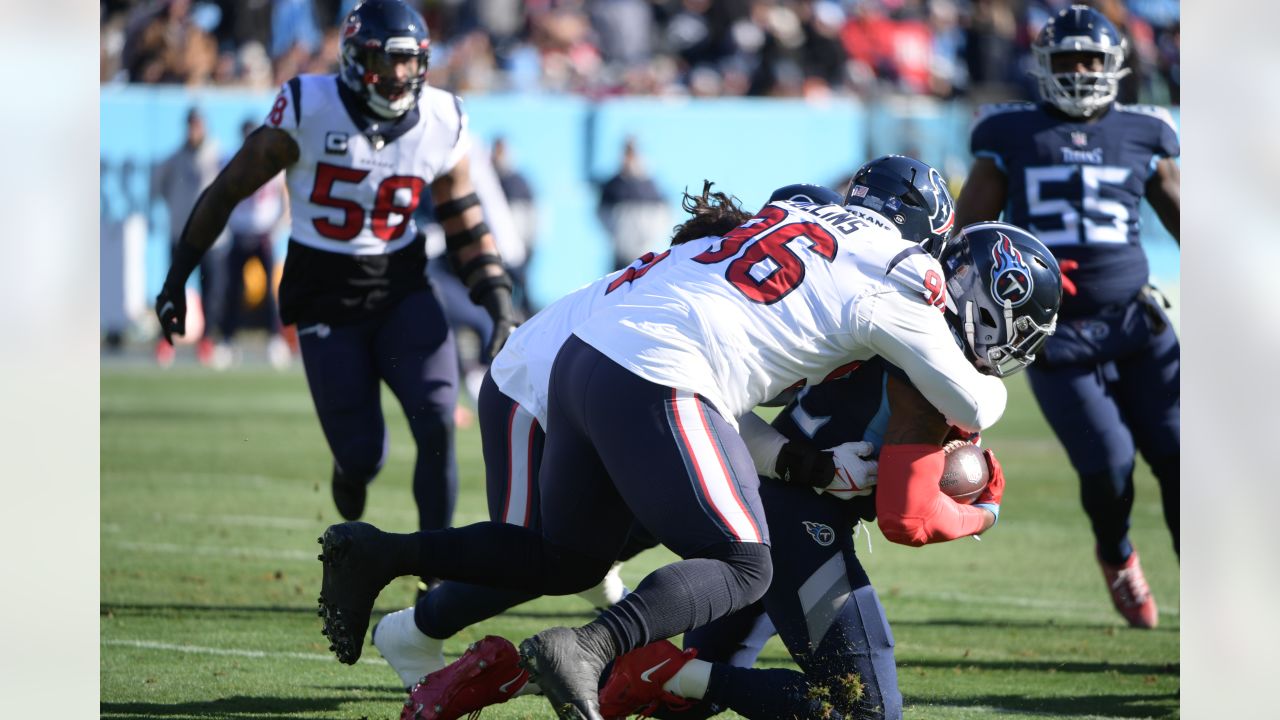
635,686
354,573
348,496
406,649
1130,593
488,673
567,673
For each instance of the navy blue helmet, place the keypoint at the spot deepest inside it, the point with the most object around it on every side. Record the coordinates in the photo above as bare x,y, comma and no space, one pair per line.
910,194
1079,29
804,192
375,36
1003,292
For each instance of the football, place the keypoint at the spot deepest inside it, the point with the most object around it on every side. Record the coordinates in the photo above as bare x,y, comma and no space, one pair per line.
964,472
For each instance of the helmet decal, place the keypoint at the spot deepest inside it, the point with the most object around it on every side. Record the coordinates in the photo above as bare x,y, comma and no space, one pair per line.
944,213
1010,277
352,26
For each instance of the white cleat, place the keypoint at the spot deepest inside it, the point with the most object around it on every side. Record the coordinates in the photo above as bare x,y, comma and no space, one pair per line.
409,652
608,592
278,353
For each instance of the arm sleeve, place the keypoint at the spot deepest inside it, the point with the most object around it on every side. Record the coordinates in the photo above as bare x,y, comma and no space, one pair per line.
910,508
915,337
763,441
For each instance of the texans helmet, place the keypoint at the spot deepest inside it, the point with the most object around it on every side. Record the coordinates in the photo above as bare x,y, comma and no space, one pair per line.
806,193
375,36
1003,292
910,194
1079,29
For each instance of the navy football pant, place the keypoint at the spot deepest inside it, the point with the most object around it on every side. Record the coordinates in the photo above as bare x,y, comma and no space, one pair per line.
1103,412
827,613
625,449
512,442
409,347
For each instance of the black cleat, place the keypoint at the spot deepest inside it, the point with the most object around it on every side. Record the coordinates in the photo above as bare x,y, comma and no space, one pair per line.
348,495
354,573
568,675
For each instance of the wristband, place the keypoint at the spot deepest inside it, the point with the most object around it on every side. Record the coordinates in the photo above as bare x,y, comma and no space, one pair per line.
993,508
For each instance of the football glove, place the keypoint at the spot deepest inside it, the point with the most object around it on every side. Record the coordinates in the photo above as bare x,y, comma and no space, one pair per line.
994,492
493,293
854,475
803,464
171,311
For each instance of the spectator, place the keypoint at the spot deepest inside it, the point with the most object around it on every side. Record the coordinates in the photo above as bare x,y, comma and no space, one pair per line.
632,209
524,216
178,181
253,224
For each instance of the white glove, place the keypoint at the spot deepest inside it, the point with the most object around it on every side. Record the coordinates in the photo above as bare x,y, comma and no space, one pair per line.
855,476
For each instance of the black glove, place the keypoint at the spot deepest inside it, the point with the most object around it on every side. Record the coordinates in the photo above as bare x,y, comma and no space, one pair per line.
493,293
806,465
171,311
171,303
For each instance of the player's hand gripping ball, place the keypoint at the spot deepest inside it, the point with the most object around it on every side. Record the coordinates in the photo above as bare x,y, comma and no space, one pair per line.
964,472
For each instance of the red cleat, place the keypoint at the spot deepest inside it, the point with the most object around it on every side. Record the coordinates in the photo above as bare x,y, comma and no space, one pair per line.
486,674
635,685
1130,593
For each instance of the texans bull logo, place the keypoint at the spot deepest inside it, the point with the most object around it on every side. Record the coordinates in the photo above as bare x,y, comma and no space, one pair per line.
944,213
1010,276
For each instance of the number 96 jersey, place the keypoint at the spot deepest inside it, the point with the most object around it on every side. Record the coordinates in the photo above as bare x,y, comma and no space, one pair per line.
1077,187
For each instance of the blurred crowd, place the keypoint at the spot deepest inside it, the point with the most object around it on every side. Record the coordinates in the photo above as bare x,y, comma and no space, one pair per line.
705,48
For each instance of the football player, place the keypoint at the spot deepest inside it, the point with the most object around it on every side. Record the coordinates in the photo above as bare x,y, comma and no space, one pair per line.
513,415
1073,170
642,407
359,149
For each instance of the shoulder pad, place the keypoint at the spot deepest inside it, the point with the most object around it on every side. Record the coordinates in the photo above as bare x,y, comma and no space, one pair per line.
990,110
1160,113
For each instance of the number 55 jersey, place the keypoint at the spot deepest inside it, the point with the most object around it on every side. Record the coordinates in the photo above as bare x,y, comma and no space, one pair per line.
1077,187
353,245
791,298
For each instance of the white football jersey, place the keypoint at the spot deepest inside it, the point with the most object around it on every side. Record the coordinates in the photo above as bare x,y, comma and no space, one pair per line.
790,298
522,369
346,194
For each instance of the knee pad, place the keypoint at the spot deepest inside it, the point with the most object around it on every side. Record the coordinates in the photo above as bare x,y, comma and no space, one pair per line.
750,568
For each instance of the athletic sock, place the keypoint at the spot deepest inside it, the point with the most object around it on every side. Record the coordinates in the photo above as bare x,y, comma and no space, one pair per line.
690,682
767,694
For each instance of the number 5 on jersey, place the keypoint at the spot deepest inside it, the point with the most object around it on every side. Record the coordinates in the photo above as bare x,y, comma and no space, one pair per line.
769,269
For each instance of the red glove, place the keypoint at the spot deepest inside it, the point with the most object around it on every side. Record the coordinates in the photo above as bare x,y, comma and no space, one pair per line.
994,491
1064,267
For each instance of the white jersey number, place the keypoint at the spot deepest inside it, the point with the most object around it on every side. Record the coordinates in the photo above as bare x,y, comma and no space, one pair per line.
1065,208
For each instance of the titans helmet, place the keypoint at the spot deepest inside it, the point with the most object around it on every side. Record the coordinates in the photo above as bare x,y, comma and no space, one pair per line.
910,194
1079,29
804,192
374,36
1003,291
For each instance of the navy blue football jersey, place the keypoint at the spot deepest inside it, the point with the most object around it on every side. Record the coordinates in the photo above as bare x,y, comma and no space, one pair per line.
849,408
1077,186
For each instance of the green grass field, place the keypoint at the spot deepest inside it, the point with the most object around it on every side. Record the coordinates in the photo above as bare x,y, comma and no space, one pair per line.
215,486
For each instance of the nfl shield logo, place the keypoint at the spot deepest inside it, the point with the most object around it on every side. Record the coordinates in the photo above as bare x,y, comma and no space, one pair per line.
1079,139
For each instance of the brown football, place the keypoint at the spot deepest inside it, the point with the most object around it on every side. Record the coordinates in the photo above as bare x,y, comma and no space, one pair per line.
964,472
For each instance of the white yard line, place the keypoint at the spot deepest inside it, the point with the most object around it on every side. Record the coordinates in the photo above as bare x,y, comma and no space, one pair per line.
217,551
235,652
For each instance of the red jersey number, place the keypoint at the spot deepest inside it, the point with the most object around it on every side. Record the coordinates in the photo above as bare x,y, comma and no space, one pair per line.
770,268
388,201
634,271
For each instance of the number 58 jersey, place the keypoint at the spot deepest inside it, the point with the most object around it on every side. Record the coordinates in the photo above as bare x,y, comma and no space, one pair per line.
348,193
354,247
794,297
